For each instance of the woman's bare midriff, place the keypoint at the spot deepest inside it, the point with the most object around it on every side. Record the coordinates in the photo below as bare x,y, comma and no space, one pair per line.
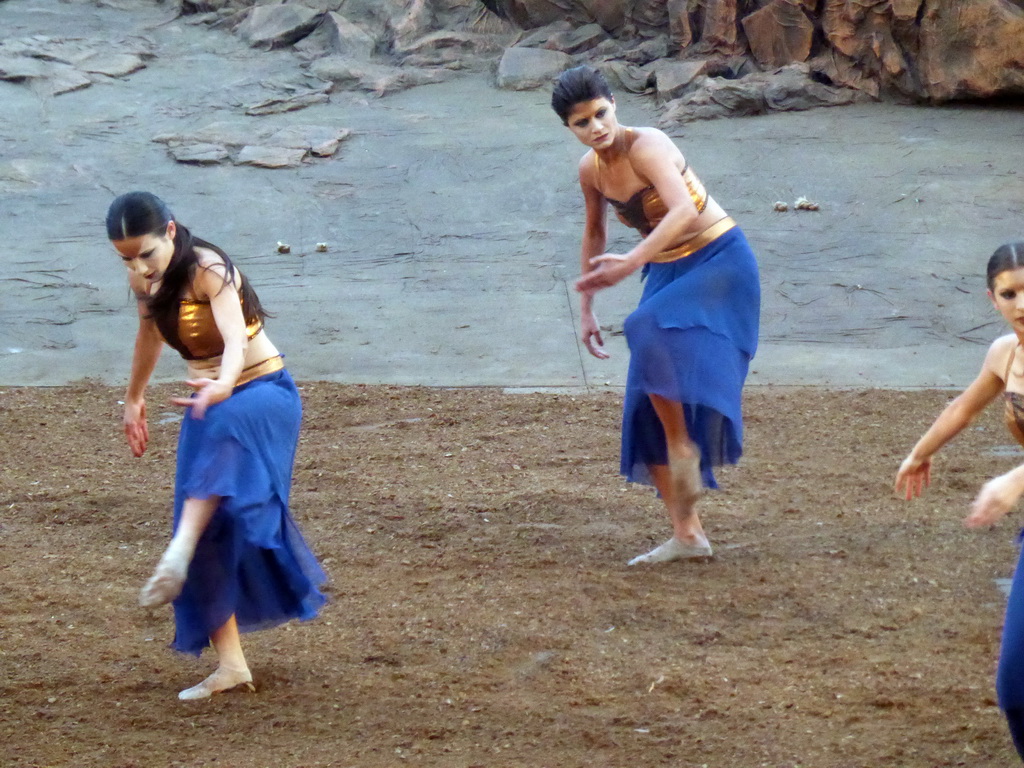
259,349
712,213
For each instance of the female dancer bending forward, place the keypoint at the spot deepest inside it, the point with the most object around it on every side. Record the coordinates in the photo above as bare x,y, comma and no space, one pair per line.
236,561
694,332
1001,373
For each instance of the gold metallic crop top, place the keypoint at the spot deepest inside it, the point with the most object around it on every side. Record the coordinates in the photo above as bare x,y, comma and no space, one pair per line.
1013,408
197,330
645,209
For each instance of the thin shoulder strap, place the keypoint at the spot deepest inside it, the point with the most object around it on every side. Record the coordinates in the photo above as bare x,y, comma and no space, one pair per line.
1009,363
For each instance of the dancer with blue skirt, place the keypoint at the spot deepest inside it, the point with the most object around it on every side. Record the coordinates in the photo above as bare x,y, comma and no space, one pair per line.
1001,377
236,561
694,332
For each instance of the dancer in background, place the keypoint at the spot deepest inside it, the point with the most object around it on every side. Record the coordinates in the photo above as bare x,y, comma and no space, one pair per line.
694,332
236,561
1002,373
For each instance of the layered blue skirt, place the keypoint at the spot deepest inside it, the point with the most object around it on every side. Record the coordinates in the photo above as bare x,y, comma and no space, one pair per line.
251,560
691,340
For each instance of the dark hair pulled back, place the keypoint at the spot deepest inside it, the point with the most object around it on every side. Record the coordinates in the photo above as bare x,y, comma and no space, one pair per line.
135,214
575,86
1006,256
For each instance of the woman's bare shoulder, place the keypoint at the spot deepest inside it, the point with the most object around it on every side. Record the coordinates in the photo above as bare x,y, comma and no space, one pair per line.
586,163
654,144
212,275
999,352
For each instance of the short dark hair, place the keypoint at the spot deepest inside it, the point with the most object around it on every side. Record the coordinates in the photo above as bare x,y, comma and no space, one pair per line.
577,85
1006,256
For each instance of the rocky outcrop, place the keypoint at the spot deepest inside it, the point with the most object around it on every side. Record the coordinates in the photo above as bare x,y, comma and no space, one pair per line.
926,50
790,88
371,77
54,65
696,56
378,46
247,144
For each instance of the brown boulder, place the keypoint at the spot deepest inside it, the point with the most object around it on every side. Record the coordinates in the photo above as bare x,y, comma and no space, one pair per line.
972,50
720,30
610,14
780,33
842,70
679,28
865,34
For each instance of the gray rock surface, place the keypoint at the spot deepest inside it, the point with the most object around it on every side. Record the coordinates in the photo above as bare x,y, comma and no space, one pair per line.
787,89
379,79
199,153
270,157
335,35
525,68
674,78
248,143
54,65
277,26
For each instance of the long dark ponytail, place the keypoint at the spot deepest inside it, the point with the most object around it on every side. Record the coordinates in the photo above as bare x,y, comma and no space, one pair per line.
134,214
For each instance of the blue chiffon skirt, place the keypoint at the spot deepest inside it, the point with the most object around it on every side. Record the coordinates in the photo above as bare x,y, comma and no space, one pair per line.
691,340
251,560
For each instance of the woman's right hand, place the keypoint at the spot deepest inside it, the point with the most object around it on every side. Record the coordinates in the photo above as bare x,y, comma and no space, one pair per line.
590,332
914,476
135,428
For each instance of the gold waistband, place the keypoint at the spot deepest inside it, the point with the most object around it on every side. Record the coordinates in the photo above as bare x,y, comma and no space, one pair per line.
270,365
696,242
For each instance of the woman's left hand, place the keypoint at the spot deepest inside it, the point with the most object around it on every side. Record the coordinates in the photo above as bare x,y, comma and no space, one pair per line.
608,269
207,392
996,498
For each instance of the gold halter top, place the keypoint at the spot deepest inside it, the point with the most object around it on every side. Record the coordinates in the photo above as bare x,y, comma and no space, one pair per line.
1013,409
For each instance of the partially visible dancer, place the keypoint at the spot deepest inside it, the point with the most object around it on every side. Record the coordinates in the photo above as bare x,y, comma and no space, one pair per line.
236,561
1002,373
694,332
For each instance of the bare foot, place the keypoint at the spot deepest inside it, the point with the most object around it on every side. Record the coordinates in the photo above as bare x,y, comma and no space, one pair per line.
674,549
222,679
166,582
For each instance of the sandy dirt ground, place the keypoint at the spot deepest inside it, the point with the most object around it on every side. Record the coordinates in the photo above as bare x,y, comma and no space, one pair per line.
481,612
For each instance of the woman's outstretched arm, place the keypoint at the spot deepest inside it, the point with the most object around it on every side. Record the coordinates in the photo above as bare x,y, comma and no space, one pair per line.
148,345
595,239
914,473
